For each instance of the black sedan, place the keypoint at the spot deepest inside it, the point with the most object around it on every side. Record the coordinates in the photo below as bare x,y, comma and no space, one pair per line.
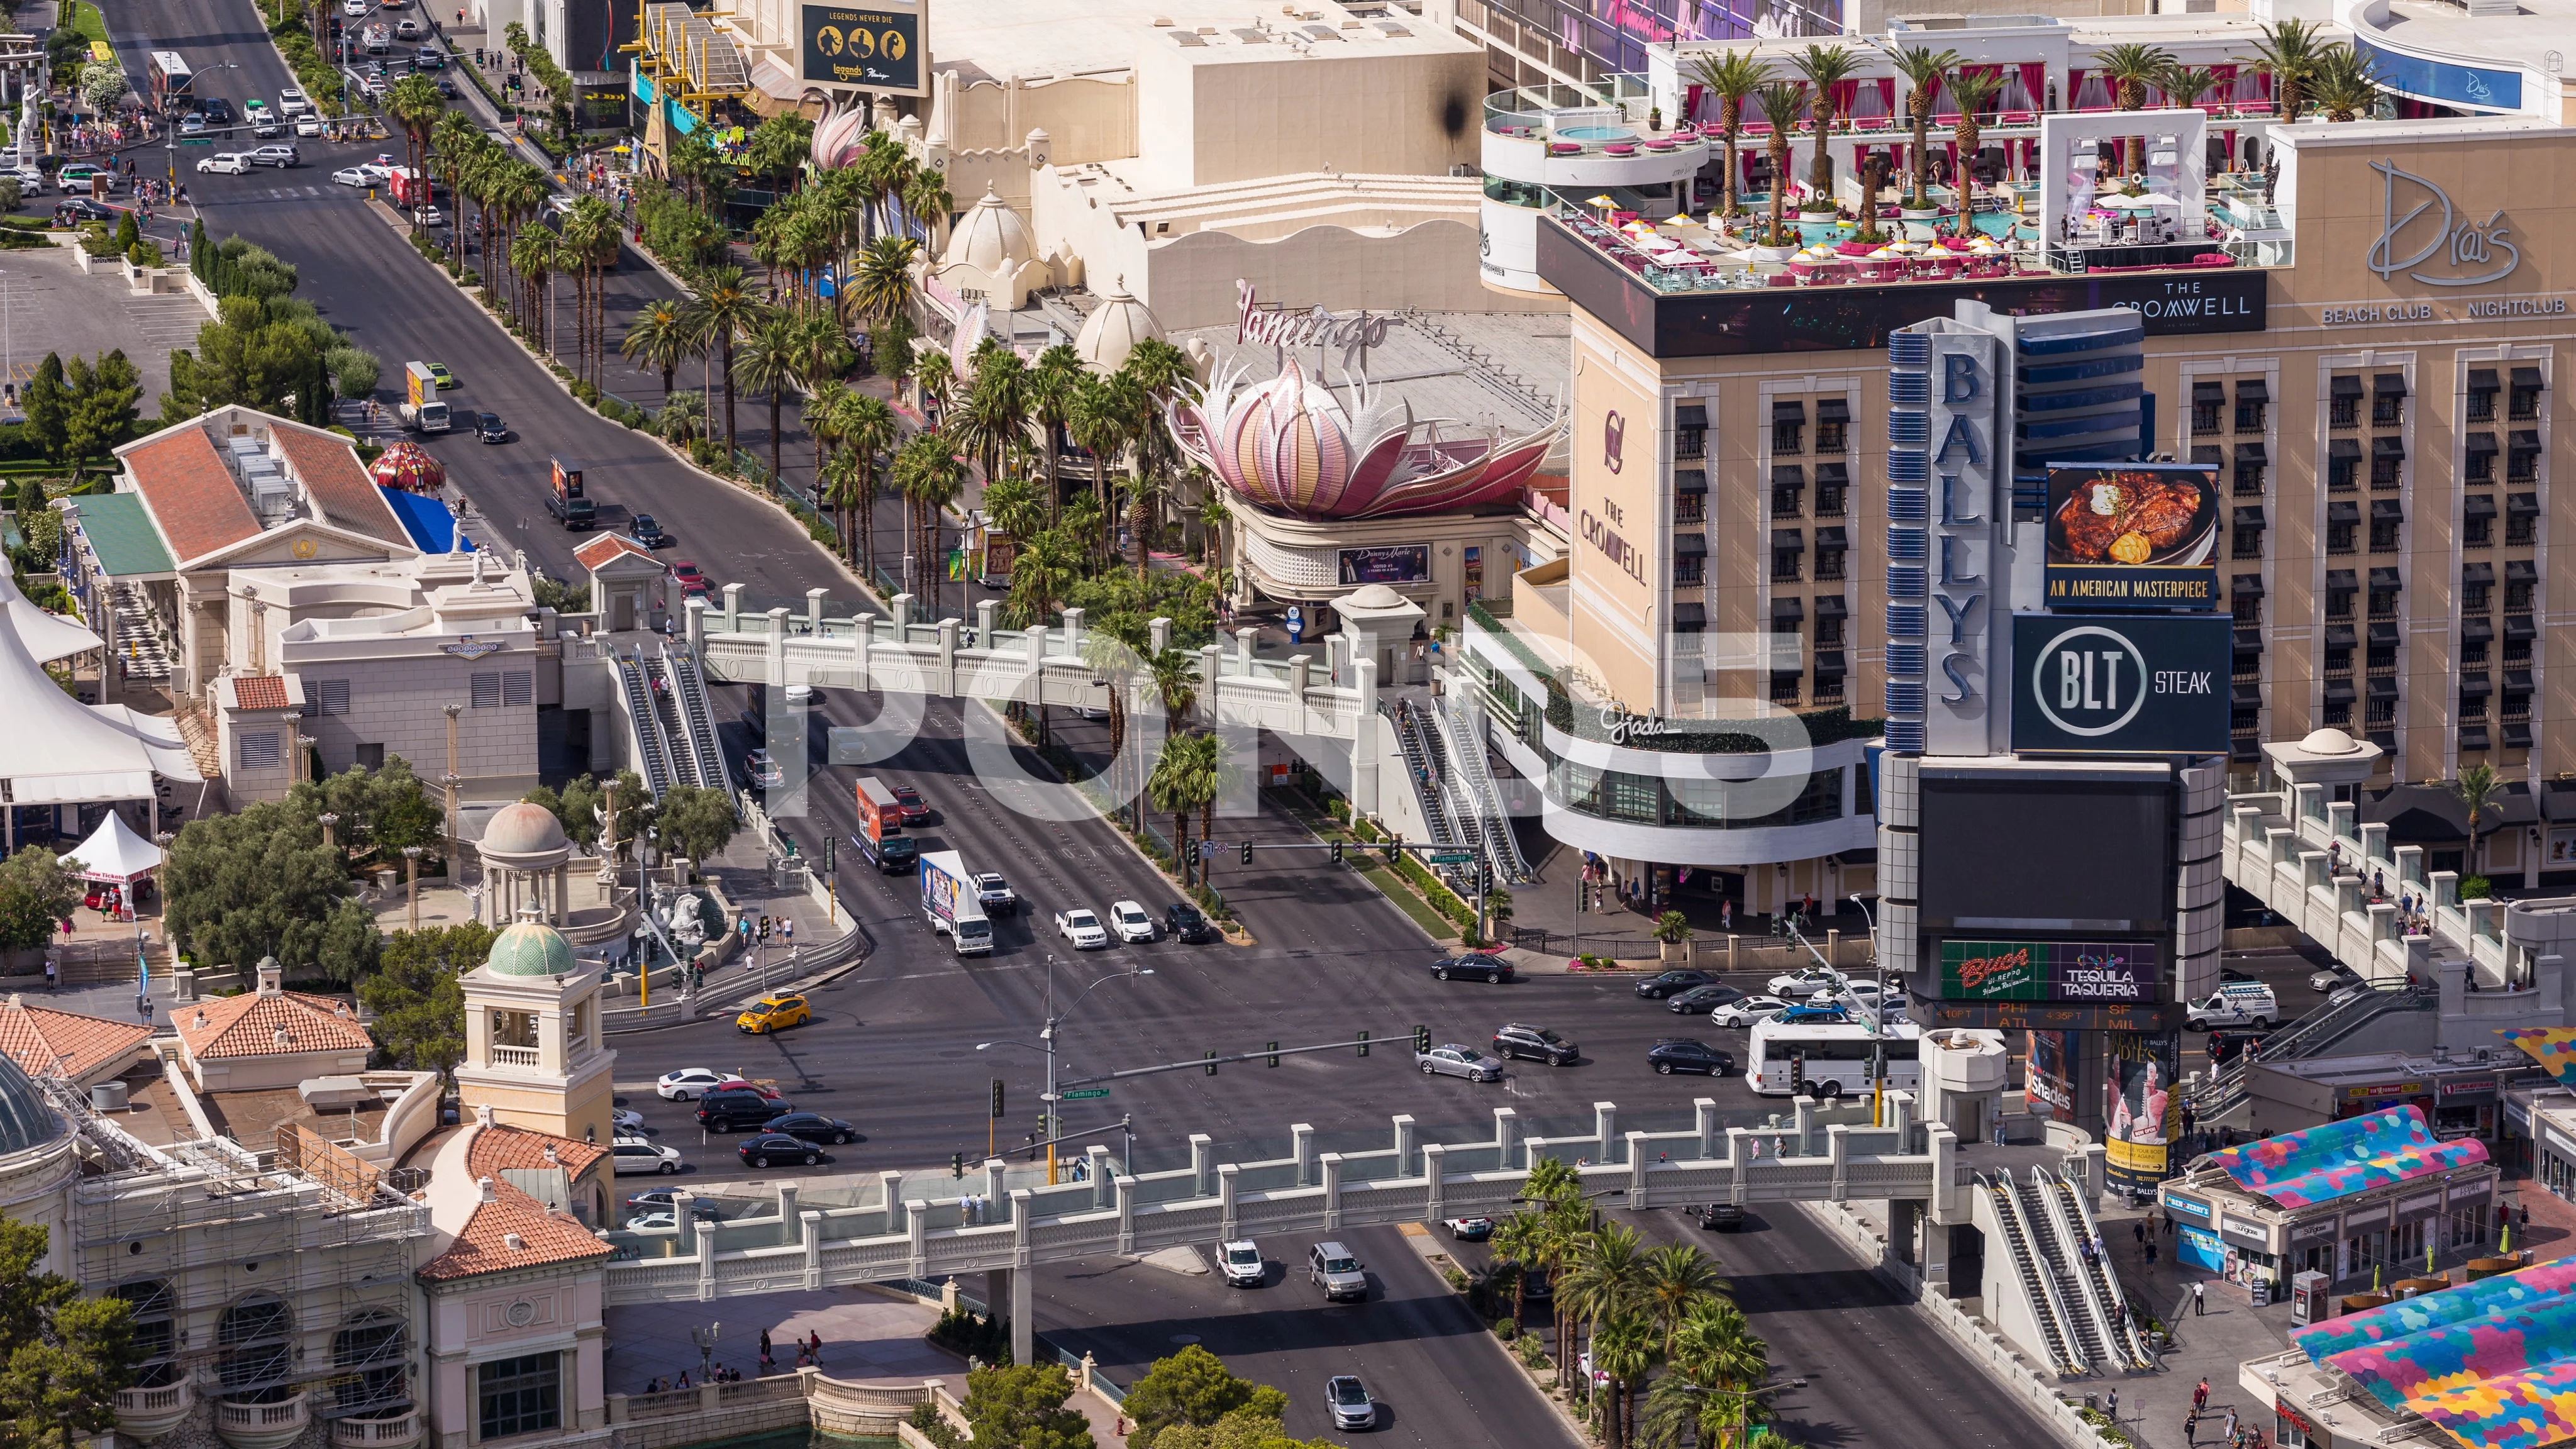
1186,924
812,1127
1479,966
1682,1054
1656,988
663,1197
488,428
1515,1040
74,211
771,1147
1701,1000
644,529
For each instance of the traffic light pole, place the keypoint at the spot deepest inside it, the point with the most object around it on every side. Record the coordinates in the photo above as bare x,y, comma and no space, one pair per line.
1214,1060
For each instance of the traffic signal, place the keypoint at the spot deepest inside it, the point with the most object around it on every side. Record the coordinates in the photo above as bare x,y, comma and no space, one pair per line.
1421,1039
1211,1062
1274,1054
996,1112
957,1164
1485,877
1247,852
1364,1041
1337,852
1392,851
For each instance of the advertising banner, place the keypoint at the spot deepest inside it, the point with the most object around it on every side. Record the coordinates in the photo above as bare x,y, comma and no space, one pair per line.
2141,1109
1403,563
874,47
2121,971
2049,1086
2132,536
2115,686
2050,1016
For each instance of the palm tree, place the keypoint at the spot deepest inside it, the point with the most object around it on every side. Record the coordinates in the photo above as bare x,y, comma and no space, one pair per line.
661,338
1213,775
590,241
1622,1350
1112,647
933,377
769,364
866,428
1925,70
532,256
683,418
2184,85
1972,89
926,199
1048,399
2345,83
415,105
1042,577
881,290
1606,1278
1172,786
824,398
822,354
1213,518
516,191
1144,500
455,140
2131,68
1679,1278
991,420
1175,673
931,477
725,309
1825,67
1715,1350
2479,787
1012,506
1731,77
2288,51
1781,101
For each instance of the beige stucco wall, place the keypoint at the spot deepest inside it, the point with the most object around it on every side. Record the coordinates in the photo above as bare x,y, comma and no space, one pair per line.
1614,596
1086,118
469,1325
1190,281
1229,113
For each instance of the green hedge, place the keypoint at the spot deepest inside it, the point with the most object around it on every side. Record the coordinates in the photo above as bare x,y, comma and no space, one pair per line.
1442,899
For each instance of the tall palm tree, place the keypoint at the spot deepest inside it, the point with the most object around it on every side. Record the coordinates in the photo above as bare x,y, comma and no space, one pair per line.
1679,1278
931,476
926,199
1049,398
661,337
725,310
1214,775
2345,83
1042,578
992,418
2479,787
867,427
1606,1278
1172,786
2131,68
1925,70
1175,675
882,289
769,364
517,190
454,139
2287,51
822,354
590,242
1825,67
1013,506
1214,515
532,256
415,105
1622,1350
1731,77
934,376
1716,1350
822,412
1972,89
1781,102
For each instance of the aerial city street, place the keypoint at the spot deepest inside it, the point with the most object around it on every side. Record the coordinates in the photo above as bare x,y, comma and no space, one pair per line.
1137,728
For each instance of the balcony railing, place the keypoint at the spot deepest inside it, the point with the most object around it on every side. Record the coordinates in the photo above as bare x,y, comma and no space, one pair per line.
396,1432
515,1056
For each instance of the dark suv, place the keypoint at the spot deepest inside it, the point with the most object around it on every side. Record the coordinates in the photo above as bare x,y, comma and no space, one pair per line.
1682,1054
1477,965
1515,1040
1186,924
1655,988
725,1109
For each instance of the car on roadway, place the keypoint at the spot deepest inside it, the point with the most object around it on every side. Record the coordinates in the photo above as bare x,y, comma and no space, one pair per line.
218,110
438,372
308,124
634,1154
693,584
1469,1230
1747,1011
1082,928
895,855
356,9
264,124
429,57
1242,1264
811,1127
739,1106
379,171
428,216
352,176
769,1147
1813,1012
192,124
1685,1054
625,1120
653,1218
281,156
775,1012
1805,981
1131,922
1656,988
227,163
689,1083
1476,964
1457,1059
488,428
761,770
407,29
667,1198
448,88
74,211
909,805
1338,1271
1716,1217
31,182
292,102
79,175
1701,1000
1186,925
996,895
1350,1402
2334,976
1514,1040
644,528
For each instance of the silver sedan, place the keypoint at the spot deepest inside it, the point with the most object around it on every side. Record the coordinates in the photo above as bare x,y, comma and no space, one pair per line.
1455,1060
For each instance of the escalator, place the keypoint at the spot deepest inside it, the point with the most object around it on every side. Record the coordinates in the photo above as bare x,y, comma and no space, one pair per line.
1417,766
2039,1287
646,743
696,738
1476,784
2099,1281
2057,1258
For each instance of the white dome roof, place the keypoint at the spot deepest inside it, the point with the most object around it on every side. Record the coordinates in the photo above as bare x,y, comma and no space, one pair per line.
991,238
1114,328
2328,742
523,829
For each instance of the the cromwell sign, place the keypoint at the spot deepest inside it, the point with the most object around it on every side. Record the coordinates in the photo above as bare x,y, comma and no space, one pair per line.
2418,227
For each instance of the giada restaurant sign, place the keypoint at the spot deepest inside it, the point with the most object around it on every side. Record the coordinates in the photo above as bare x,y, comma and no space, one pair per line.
2418,227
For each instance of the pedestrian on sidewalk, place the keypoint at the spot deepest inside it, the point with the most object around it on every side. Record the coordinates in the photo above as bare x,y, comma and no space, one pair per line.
2231,1426
2138,1230
2191,1426
2200,1395
2199,1303
2113,1406
49,973
2151,1252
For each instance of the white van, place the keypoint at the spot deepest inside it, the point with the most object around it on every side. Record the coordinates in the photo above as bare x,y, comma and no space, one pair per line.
2238,1003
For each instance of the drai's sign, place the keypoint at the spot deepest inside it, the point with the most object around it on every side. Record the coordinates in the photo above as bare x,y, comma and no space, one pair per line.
2155,686
2459,251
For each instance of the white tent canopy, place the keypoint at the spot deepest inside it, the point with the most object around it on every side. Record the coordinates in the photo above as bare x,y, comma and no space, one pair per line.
114,852
64,752
48,637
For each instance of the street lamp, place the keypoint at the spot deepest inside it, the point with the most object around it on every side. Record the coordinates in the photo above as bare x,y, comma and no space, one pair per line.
1047,1036
1878,1033
705,1339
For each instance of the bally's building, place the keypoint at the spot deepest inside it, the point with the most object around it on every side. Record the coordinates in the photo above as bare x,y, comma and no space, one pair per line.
2361,347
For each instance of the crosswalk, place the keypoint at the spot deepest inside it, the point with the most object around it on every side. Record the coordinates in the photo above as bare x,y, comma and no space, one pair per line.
253,195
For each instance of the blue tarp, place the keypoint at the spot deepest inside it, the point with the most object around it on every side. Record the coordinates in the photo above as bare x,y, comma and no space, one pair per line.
431,526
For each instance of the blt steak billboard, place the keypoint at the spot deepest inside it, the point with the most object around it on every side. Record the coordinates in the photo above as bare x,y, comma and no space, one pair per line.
874,47
2085,971
2121,686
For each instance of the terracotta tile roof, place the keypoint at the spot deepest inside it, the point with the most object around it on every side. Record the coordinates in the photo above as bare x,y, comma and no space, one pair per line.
497,1147
484,1245
37,1037
607,546
260,691
191,493
338,484
247,1026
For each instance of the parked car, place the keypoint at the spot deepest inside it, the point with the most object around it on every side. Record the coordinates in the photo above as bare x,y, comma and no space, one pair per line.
1242,1264
1186,924
1701,1000
691,1082
774,1013
1476,964
812,1127
634,1154
1656,988
1685,1054
1352,1407
74,211
1459,1060
771,1147
1716,1217
1515,1040
665,1197
1469,1230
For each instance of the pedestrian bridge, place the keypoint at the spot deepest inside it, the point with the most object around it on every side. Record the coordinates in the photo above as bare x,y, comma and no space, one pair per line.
829,1232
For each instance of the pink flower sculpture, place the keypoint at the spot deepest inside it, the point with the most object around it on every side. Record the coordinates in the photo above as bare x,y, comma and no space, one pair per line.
1291,446
840,138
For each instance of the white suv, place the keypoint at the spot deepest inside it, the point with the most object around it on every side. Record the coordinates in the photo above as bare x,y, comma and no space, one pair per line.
1242,1264
230,163
2238,1003
634,1154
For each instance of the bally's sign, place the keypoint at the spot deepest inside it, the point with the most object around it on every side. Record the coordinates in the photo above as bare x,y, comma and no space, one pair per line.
2121,686
2460,251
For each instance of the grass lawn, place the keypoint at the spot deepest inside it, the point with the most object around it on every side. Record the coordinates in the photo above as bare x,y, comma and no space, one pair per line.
85,19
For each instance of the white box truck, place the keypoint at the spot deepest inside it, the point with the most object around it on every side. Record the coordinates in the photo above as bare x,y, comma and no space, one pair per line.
952,903
421,410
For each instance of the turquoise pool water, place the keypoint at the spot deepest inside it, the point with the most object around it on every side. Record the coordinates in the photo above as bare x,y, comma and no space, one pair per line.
1595,133
1993,223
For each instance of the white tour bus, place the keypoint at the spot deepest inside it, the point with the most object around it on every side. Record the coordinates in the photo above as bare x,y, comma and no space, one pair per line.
1833,1055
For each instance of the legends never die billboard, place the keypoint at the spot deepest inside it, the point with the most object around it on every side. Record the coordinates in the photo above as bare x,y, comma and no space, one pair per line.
2061,852
2132,536
875,47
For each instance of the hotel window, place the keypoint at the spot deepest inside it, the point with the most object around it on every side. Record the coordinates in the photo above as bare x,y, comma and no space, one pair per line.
2208,400
2387,399
2474,689
2246,599
2385,586
2517,638
2341,520
2251,460
2387,463
1690,559
2341,585
1832,546
2252,395
1690,495
2481,457
1788,491
2519,576
2477,520
1833,424
1830,618
2380,711
2527,388
521,1395
1788,554
1829,677
2249,660
1784,688
2522,456
2475,635
2382,660
2482,394
2343,460
1833,487
1690,430
2338,661
2338,711
2343,403
2477,586
1788,426
2517,694
2249,532
2521,518
256,751
2387,518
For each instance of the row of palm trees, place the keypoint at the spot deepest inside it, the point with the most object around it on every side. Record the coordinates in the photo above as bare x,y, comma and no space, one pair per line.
1636,1308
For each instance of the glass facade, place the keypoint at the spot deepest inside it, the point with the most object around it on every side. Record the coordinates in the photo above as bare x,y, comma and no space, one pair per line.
522,1395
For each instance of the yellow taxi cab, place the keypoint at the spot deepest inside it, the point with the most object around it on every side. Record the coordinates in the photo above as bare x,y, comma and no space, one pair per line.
771,1013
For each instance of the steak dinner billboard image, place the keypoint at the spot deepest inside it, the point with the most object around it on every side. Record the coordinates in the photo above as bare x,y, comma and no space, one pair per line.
2133,536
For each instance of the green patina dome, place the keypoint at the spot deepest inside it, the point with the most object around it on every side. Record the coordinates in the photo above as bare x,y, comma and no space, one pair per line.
529,948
